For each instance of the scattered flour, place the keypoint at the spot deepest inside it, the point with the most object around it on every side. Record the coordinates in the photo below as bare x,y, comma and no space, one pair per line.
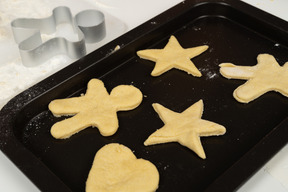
12,9
208,73
14,77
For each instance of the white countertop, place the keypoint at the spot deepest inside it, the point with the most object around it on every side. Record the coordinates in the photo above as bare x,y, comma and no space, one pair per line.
127,14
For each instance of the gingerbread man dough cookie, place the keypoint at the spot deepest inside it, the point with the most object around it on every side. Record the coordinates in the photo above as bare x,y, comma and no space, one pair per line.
266,76
96,108
173,56
185,128
116,169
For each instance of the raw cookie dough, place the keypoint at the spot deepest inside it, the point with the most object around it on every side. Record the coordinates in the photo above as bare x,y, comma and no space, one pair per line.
116,169
266,76
173,56
185,128
96,108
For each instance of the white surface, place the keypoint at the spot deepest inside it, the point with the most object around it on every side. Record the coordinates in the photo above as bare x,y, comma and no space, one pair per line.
15,77
123,15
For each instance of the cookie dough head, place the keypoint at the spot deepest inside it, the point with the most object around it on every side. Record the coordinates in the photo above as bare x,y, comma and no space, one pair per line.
116,169
126,97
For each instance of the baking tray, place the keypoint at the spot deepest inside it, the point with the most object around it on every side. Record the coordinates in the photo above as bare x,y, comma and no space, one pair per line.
234,31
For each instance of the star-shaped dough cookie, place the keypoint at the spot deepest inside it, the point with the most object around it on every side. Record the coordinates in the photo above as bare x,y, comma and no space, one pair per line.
173,56
116,169
96,108
185,128
266,76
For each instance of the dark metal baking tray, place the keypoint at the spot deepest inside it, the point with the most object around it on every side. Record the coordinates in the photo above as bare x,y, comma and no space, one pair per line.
234,31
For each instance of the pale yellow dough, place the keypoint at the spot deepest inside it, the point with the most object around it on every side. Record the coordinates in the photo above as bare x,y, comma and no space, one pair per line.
266,76
173,56
96,108
116,169
185,128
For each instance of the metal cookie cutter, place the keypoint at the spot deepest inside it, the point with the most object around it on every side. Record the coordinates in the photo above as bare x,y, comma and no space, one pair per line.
88,24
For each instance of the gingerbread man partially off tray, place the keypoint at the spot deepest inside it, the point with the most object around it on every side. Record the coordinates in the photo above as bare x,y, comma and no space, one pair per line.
266,76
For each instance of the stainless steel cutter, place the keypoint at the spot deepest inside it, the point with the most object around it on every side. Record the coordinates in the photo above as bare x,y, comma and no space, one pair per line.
88,24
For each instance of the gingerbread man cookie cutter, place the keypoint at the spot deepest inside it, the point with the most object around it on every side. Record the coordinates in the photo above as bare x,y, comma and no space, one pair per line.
88,24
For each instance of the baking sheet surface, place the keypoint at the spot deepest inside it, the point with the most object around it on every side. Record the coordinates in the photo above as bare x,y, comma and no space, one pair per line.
229,40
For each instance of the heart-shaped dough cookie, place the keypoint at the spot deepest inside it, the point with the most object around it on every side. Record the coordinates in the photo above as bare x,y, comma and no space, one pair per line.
116,169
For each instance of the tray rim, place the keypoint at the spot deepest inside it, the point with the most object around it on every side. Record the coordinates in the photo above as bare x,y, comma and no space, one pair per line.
19,154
